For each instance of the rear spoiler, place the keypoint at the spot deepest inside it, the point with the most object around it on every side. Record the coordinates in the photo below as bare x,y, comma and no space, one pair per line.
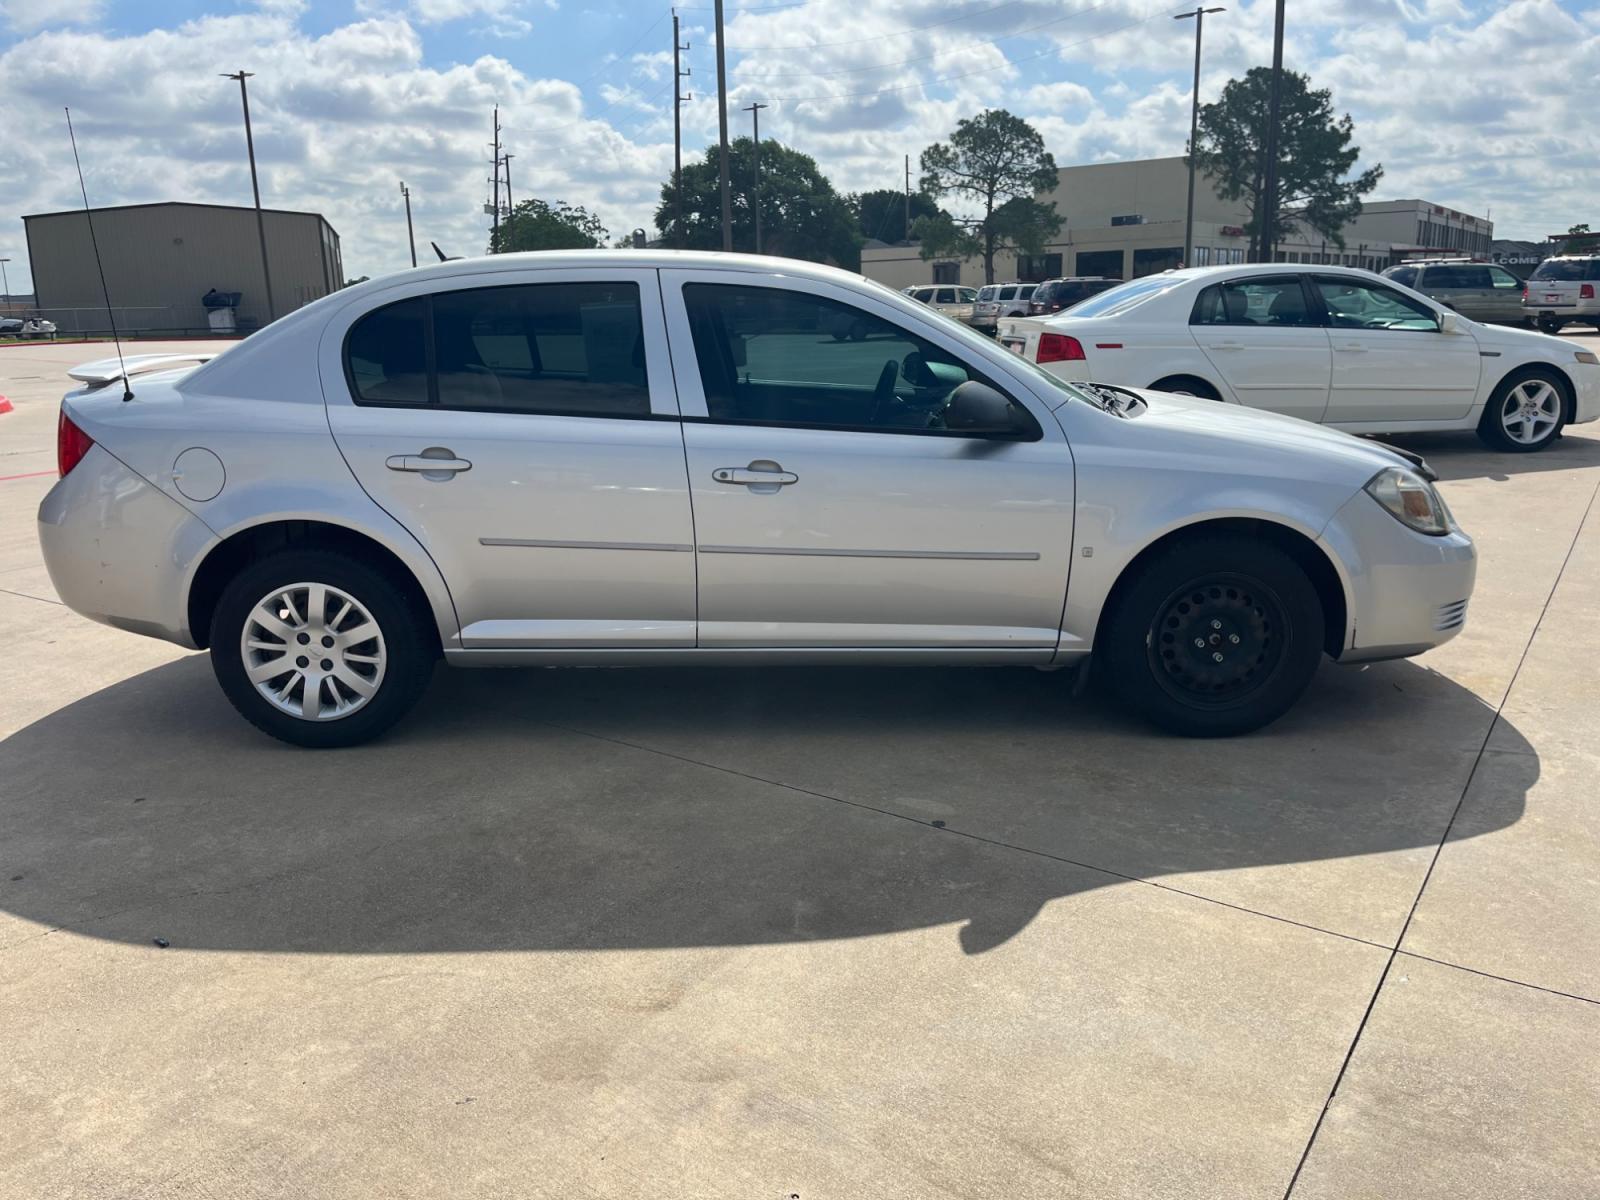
110,370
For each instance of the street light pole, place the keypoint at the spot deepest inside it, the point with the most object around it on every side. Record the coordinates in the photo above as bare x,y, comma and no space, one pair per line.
755,116
410,236
722,136
1199,18
6,279
1267,220
255,186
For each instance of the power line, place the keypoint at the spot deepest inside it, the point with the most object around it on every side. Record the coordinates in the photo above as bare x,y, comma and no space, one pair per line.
881,36
922,83
905,62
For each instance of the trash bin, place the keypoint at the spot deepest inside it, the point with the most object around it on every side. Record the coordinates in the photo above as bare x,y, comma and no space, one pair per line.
221,320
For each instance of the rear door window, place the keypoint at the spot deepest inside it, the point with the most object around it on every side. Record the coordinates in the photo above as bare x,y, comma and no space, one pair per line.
1273,300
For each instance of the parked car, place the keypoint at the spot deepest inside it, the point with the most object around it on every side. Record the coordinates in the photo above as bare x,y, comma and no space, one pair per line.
38,327
1053,295
1334,345
1000,300
1564,289
1476,289
627,458
955,302
10,325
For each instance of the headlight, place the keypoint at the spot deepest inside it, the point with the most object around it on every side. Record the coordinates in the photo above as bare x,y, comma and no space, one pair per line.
1411,500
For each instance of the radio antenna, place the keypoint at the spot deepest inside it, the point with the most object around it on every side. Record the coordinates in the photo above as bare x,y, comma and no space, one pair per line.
88,215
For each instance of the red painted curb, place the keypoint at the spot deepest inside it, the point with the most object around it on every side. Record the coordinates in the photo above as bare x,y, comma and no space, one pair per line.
29,475
6,405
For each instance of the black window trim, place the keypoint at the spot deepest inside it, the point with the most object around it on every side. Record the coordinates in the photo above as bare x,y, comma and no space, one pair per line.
431,365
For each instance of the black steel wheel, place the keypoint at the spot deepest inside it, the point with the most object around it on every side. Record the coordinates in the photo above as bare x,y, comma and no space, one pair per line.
1213,635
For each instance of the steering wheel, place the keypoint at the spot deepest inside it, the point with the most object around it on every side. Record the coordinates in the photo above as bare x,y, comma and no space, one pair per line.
883,393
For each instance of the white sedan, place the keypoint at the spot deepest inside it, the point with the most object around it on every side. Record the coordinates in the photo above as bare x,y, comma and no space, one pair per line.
1334,345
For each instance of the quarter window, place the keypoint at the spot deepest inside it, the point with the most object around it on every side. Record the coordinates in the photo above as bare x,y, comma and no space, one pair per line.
1502,278
386,354
769,356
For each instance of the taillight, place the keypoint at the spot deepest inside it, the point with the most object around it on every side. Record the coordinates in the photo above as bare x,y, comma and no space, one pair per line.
1059,347
72,444
1586,292
1524,293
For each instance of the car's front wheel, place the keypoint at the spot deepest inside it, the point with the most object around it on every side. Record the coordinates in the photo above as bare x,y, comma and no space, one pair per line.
1525,412
319,649
1213,636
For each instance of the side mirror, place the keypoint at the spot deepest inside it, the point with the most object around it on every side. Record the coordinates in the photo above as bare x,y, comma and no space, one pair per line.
740,354
977,408
1450,322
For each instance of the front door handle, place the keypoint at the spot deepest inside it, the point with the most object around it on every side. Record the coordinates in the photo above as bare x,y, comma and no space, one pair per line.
433,463
763,475
1351,348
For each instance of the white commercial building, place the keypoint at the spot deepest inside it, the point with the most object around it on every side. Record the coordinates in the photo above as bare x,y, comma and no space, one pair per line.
1125,219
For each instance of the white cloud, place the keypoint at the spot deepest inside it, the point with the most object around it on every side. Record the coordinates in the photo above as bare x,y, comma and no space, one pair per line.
27,16
502,18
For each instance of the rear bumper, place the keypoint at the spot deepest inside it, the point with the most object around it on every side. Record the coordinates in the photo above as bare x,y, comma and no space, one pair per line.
1577,310
119,550
1406,592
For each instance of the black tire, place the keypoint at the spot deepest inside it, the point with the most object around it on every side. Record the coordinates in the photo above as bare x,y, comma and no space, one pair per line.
1215,588
858,331
409,648
1186,385
1549,325
1491,428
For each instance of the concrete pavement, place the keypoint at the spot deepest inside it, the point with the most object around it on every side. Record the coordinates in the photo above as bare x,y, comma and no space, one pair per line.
810,932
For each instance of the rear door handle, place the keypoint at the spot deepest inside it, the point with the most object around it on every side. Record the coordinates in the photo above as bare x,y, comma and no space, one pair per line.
763,475
1351,348
1227,345
433,461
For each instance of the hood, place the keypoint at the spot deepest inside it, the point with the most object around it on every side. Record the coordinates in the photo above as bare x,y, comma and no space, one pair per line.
1229,430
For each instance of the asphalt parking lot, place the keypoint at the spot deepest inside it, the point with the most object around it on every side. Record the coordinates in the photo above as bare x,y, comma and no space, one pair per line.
819,933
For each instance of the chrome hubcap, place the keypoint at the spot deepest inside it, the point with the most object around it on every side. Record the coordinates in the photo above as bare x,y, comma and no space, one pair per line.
313,651
1530,411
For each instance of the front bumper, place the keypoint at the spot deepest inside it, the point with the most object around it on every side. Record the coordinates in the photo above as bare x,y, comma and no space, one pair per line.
119,550
1406,592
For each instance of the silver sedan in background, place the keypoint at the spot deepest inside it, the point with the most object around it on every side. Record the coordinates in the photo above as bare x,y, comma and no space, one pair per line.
642,458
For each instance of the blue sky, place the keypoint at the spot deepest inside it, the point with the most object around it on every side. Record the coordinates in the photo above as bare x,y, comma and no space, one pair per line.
1476,105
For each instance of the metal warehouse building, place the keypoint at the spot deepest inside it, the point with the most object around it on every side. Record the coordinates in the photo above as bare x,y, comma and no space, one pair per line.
161,259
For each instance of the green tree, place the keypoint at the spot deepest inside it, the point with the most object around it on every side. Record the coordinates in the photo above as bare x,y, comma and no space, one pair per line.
995,162
538,225
801,214
1315,156
882,213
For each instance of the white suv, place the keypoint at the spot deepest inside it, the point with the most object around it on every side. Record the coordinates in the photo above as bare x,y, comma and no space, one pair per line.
1000,300
950,299
1563,289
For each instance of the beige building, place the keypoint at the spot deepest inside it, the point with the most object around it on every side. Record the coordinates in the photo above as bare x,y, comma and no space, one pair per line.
160,259
1126,219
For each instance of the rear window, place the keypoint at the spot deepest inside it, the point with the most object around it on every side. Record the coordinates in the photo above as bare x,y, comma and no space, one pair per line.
1405,276
1125,296
1567,270
988,293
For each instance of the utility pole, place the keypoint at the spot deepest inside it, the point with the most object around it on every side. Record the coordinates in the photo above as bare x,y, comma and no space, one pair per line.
255,186
908,198
722,136
755,116
1267,220
6,280
1199,18
410,234
510,207
494,205
679,98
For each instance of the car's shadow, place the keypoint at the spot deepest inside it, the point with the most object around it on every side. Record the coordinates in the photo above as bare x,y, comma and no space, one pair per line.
1462,456
606,809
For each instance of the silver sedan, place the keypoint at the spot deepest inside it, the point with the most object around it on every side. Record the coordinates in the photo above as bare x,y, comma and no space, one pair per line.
643,458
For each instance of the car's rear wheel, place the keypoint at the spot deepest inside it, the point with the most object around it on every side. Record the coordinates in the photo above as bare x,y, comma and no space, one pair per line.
318,649
1549,325
1186,385
1525,412
1213,636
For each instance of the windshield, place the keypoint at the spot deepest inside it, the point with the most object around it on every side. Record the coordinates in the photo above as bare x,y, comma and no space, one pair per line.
1569,270
1128,295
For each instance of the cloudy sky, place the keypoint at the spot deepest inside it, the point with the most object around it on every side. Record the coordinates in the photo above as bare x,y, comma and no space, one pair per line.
1483,105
